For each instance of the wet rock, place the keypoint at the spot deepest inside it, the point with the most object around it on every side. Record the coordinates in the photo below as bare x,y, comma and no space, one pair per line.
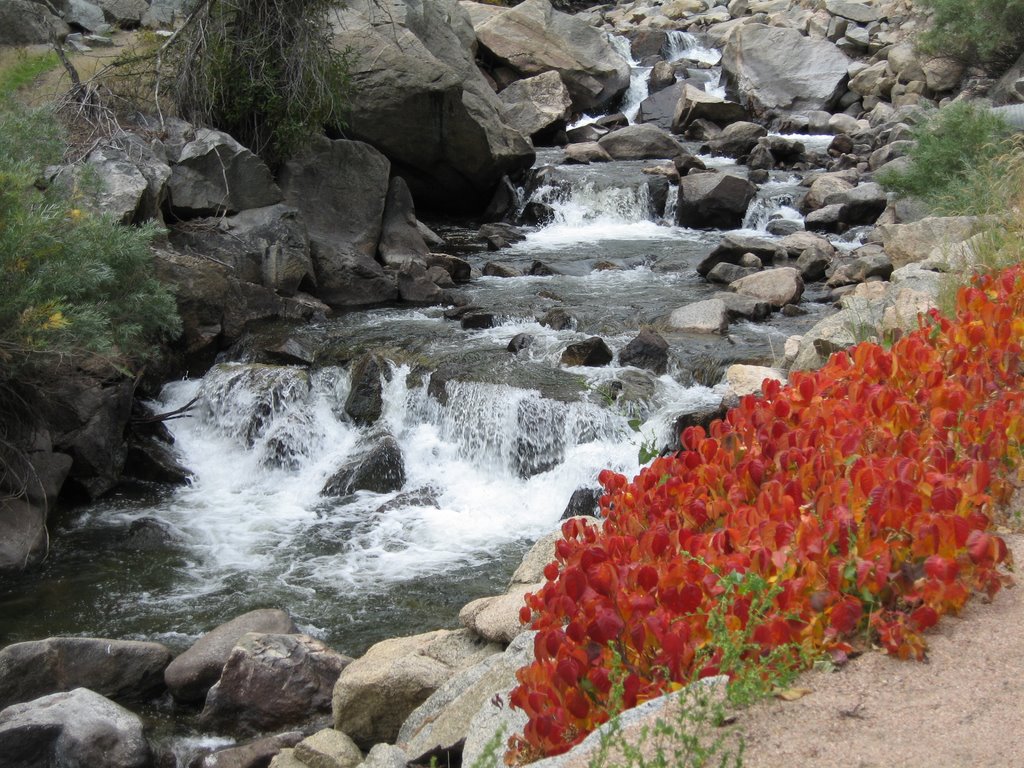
500,269
254,754
536,105
192,673
540,269
415,285
74,728
376,693
557,320
459,269
732,249
740,307
585,153
442,722
533,38
379,467
737,140
400,238
592,352
273,680
147,534
725,273
708,316
660,106
477,321
709,200
120,669
648,350
365,400
341,189
779,68
584,501
640,142
778,286
499,235
215,174
520,342
697,104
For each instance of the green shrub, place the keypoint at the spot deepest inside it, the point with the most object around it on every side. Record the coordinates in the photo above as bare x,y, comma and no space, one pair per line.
263,71
24,70
989,33
952,164
74,283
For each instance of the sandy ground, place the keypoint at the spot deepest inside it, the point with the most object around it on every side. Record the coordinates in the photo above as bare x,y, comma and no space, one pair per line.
963,708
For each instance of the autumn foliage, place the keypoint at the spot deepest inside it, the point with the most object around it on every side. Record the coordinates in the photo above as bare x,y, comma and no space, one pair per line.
861,492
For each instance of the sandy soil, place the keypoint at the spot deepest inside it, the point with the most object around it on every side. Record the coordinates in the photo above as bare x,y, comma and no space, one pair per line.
963,708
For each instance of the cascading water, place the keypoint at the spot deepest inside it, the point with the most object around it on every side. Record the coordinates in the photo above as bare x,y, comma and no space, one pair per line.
638,87
686,47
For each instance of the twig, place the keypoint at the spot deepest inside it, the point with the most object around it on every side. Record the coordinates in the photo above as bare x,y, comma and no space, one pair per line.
177,413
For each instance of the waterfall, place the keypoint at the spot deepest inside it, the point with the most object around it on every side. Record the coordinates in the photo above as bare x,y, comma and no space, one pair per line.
638,86
683,45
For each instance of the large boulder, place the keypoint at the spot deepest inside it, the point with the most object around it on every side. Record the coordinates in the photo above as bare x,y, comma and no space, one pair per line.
916,240
23,536
23,22
738,139
376,693
419,98
73,729
533,38
536,105
131,189
121,669
640,142
273,680
777,287
267,246
713,200
778,68
400,237
341,188
215,174
194,672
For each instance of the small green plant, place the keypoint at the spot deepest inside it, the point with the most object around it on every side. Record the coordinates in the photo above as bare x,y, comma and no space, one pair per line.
956,155
25,69
987,33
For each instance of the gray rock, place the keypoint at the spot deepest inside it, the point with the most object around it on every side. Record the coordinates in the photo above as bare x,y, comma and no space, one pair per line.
537,104
120,669
828,218
778,287
783,227
23,22
445,719
778,68
592,352
742,380
124,13
415,285
376,693
497,618
822,187
164,14
365,400
419,97
253,754
87,16
648,350
709,200
379,467
698,104
124,191
266,246
741,307
74,728
861,205
385,756
192,673
915,241
586,152
725,273
858,12
640,142
659,108
501,269
860,269
814,262
273,680
23,536
733,247
400,238
341,188
708,316
533,38
328,748
738,139
215,174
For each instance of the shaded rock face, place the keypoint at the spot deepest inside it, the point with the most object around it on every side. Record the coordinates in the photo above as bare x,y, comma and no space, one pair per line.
713,200
639,142
75,729
341,188
419,98
380,468
400,238
648,350
592,352
23,22
365,401
267,246
273,680
121,669
779,68
195,671
215,174
533,38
